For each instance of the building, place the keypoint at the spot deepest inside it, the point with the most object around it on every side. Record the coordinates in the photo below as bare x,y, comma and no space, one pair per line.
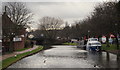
13,36
0,32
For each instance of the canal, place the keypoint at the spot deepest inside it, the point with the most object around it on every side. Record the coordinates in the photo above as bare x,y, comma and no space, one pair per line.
65,56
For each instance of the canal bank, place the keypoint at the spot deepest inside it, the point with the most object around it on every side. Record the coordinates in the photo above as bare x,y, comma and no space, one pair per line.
19,55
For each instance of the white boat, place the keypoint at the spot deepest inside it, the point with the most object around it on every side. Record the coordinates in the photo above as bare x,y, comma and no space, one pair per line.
93,44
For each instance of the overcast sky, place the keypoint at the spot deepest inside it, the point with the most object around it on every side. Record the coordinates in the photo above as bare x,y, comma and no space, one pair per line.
68,10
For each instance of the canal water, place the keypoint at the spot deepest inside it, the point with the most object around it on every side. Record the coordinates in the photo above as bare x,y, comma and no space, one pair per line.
65,56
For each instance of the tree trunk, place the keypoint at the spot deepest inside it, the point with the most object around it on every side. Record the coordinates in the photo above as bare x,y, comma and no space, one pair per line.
117,42
107,41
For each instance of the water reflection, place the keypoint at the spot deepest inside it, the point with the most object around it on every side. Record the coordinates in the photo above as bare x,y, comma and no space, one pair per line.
107,59
118,60
103,59
118,56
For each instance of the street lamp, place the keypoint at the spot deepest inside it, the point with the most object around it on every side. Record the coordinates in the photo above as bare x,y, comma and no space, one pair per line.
11,36
116,29
116,36
88,33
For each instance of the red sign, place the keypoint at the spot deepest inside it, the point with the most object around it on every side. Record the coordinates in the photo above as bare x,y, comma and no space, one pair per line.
103,36
112,35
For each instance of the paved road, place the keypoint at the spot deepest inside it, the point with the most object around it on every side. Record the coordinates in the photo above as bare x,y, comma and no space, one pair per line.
62,56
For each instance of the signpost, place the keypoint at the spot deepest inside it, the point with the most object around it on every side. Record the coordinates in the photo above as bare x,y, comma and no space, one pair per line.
103,39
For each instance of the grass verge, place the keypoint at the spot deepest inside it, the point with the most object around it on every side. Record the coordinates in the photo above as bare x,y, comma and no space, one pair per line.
112,47
70,43
7,62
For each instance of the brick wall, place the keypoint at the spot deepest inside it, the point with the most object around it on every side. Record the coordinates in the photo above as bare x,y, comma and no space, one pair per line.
19,44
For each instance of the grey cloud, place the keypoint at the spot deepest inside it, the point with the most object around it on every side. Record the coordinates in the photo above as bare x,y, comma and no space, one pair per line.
68,11
63,10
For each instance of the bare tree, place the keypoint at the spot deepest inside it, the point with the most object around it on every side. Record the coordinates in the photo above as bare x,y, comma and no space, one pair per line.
50,25
65,33
19,13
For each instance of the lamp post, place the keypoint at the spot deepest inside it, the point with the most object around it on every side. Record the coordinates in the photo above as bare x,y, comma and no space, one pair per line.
44,40
88,33
12,35
116,35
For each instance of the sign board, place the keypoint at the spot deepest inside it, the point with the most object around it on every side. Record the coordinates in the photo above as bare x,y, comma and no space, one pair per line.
110,40
17,39
103,39
73,40
112,36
